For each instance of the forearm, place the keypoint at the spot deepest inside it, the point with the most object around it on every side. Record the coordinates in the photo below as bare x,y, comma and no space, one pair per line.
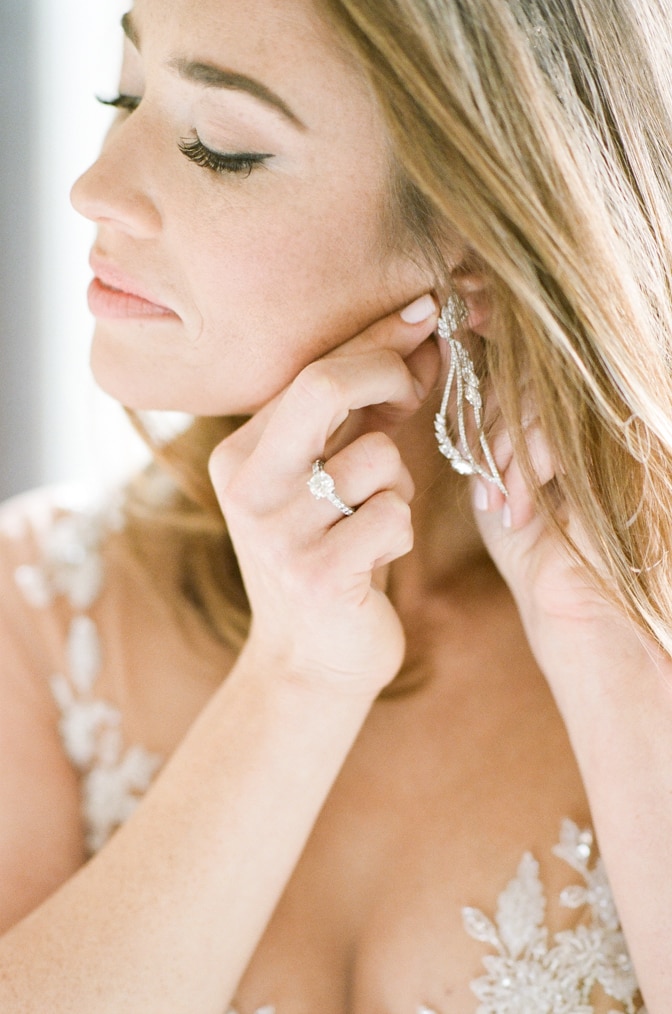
615,695
166,917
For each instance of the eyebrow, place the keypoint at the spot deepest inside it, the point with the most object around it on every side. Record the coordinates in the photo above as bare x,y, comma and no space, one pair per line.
208,75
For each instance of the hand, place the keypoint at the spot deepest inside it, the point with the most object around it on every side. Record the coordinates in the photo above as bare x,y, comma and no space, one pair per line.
568,619
556,595
317,615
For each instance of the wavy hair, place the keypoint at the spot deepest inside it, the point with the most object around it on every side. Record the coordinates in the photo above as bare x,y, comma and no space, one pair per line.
540,130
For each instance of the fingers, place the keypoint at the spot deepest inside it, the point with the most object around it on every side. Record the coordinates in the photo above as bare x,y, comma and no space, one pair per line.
297,429
377,352
329,389
379,530
518,507
405,333
309,571
401,331
510,526
365,467
383,532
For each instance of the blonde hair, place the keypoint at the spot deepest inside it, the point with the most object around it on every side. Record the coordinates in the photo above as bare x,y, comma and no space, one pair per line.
540,130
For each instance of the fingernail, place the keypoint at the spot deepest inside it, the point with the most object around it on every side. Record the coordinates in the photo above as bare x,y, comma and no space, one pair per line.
506,516
480,496
419,310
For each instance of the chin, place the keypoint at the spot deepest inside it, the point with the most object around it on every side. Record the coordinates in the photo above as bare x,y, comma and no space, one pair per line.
148,383
132,387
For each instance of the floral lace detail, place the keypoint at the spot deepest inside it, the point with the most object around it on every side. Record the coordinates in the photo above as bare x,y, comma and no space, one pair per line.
528,974
113,778
532,975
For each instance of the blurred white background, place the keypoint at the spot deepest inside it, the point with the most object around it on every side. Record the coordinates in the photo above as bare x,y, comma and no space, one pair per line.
55,56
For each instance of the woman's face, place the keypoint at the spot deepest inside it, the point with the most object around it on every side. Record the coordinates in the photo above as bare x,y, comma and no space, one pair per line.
244,198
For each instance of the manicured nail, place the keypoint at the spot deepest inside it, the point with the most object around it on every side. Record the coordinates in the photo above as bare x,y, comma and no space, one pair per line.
506,516
480,496
419,310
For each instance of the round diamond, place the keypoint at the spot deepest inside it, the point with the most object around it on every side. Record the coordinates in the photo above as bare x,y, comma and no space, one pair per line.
320,484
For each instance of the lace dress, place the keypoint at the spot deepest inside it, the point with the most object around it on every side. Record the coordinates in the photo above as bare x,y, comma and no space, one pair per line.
526,970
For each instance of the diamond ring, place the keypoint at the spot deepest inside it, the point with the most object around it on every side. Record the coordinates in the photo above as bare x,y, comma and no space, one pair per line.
322,486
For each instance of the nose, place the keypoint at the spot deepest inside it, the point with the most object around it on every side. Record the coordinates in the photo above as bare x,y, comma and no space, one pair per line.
114,190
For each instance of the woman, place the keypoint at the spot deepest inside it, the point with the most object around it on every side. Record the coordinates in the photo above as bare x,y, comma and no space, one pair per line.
312,793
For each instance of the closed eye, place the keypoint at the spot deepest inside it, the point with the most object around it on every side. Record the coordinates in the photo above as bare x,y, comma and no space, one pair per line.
234,163
121,101
242,162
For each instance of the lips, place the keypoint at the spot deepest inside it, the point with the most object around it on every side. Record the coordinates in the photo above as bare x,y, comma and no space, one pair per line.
112,295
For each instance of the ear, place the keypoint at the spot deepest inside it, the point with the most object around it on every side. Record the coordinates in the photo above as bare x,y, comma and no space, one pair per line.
474,287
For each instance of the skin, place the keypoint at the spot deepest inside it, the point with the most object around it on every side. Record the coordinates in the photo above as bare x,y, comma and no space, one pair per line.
201,242
309,843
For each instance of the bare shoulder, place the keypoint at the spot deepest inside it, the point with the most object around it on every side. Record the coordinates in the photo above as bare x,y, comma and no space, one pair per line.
41,842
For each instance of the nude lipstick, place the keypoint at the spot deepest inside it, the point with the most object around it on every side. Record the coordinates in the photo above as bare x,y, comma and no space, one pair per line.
112,296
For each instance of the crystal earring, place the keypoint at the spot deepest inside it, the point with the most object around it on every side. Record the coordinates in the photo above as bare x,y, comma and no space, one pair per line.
467,389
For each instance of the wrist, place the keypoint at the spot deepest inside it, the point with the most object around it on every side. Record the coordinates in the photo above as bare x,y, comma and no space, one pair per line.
298,695
281,672
598,665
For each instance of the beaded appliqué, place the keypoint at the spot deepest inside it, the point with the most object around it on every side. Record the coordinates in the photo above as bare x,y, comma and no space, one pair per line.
113,778
527,974
530,974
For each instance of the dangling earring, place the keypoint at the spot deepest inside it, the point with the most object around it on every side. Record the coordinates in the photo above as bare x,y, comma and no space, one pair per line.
467,389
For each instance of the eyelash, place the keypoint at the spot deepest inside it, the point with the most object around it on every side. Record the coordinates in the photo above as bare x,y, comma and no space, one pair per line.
128,102
241,163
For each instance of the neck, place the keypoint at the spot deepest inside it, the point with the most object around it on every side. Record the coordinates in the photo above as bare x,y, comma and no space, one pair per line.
447,541
448,569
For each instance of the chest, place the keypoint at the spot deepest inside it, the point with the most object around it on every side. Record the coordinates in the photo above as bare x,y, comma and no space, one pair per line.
445,800
372,921
444,792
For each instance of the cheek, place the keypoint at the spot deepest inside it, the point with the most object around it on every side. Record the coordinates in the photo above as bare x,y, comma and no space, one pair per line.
308,271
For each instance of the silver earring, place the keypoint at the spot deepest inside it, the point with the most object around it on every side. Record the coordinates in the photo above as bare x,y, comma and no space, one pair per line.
467,389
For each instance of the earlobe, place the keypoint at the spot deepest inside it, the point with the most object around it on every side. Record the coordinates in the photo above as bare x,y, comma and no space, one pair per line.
472,285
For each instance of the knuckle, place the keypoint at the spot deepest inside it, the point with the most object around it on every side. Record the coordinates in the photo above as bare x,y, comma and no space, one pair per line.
400,545
239,495
219,464
226,469
380,453
319,383
392,513
408,536
397,366
408,488
234,503
391,360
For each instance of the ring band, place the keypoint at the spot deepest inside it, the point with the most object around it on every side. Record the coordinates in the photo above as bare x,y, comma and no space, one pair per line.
322,486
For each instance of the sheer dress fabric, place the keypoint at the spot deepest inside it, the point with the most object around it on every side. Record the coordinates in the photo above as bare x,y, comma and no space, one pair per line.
54,555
